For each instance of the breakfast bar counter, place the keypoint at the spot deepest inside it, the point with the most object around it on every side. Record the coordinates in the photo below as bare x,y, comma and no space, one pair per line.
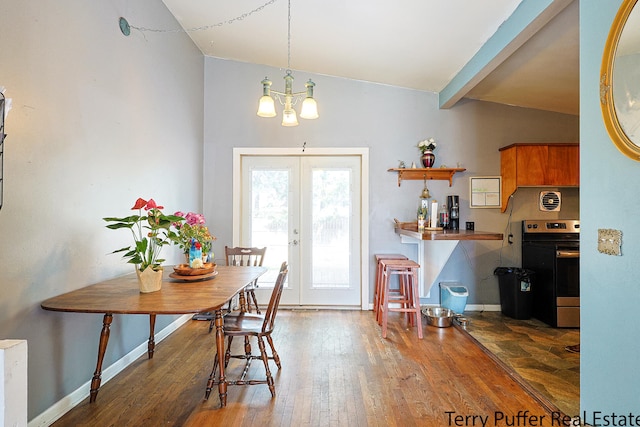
435,248
411,230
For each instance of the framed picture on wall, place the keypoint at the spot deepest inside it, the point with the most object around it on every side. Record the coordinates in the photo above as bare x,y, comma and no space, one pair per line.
484,192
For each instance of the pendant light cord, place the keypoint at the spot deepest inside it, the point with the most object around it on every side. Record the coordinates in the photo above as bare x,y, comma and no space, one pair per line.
127,27
289,38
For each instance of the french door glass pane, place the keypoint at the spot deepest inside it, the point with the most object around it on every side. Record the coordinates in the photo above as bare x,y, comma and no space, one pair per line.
331,215
270,218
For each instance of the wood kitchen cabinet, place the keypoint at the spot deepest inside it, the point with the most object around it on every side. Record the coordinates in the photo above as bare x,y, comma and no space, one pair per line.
535,165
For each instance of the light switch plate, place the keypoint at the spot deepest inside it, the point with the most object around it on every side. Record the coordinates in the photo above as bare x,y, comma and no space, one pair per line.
609,241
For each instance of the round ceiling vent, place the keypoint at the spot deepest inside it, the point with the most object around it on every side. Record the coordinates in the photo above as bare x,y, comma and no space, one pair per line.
550,201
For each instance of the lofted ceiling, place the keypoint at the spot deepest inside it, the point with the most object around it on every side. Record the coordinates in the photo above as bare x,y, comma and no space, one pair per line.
417,44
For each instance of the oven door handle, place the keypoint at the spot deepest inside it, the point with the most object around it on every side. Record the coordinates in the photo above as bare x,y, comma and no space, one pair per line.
567,253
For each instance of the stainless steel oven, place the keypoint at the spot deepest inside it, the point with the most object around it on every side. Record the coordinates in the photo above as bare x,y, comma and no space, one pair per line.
551,249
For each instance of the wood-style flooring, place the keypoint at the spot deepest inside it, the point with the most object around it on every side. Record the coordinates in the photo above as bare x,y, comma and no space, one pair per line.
536,353
337,370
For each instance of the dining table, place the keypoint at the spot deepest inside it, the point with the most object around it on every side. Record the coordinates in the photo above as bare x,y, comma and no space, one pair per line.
178,295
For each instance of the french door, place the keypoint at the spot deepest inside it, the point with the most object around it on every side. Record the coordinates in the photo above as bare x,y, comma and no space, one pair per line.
307,211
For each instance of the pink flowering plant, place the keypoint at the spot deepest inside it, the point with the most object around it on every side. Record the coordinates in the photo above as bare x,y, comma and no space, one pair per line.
193,228
150,231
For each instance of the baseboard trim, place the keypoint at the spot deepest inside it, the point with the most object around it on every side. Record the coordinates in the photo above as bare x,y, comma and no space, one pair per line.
482,307
64,405
468,307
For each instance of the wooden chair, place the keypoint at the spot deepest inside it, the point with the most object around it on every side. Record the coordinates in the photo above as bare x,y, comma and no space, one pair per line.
244,324
244,257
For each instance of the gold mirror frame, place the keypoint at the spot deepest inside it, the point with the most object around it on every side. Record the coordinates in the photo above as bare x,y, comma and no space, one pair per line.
609,115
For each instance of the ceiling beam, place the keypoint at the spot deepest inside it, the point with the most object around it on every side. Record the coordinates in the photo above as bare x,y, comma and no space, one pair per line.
529,17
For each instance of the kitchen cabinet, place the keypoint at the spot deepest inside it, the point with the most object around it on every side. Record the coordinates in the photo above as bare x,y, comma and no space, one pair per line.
426,173
538,165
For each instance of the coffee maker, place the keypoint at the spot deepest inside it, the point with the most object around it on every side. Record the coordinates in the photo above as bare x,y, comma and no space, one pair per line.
453,204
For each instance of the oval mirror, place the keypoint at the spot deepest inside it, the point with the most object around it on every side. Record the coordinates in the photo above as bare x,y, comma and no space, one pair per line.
620,80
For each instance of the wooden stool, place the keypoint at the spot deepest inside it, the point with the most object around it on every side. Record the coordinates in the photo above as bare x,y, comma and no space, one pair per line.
378,281
401,295
409,300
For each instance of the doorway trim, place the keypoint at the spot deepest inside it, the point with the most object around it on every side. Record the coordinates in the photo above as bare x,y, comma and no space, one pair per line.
362,152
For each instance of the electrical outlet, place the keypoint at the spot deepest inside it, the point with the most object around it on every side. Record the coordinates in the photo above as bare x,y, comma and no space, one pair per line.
609,241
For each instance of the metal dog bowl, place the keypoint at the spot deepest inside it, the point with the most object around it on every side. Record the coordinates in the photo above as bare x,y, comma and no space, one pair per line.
439,316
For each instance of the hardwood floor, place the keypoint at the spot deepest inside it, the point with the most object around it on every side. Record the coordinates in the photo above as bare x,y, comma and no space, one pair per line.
336,371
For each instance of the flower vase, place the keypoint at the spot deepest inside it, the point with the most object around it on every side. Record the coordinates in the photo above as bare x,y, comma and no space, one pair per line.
150,280
428,159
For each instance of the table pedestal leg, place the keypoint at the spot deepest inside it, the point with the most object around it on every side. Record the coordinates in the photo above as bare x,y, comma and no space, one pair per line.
222,385
102,347
151,345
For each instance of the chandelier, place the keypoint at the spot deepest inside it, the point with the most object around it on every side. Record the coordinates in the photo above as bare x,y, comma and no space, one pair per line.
288,98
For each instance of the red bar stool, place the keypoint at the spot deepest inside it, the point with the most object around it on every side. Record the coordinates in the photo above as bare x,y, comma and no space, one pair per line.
378,282
409,300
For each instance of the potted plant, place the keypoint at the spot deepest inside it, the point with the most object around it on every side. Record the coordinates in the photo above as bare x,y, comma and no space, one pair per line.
150,233
193,229
427,146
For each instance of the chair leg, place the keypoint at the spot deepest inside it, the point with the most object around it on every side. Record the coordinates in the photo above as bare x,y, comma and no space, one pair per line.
212,378
407,286
247,346
274,353
265,361
252,298
227,354
416,300
377,292
384,305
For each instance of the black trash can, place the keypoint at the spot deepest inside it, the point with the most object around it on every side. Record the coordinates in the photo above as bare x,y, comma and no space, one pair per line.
516,300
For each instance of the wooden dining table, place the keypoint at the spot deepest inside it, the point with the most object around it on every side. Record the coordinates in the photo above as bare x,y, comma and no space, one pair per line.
177,296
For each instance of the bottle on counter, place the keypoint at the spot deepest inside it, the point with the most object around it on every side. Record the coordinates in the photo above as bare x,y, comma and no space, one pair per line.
455,217
443,217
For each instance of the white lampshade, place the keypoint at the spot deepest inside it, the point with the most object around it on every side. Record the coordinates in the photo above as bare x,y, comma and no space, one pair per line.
309,109
267,107
289,117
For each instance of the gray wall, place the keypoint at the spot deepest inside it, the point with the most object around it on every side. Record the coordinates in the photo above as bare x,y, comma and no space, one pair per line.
99,119
390,121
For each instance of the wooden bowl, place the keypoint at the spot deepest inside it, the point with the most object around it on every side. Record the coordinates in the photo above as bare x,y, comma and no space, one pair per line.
185,270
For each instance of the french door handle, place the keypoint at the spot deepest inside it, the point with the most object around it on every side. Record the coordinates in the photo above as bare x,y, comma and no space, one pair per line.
294,242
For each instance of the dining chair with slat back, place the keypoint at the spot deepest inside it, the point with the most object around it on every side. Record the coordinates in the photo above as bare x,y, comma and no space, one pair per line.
244,324
246,257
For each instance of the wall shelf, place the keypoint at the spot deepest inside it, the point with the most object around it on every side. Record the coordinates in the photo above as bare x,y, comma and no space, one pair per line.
445,174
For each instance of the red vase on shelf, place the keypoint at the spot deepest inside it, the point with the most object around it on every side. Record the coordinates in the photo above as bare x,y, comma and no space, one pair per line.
428,159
